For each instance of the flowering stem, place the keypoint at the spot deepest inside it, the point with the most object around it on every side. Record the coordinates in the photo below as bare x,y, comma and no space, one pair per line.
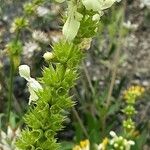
80,122
112,83
114,73
10,96
88,78
11,79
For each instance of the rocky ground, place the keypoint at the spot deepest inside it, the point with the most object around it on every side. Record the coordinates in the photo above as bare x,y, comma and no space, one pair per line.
136,49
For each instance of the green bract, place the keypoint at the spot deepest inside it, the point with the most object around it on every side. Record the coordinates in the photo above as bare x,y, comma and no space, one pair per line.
45,119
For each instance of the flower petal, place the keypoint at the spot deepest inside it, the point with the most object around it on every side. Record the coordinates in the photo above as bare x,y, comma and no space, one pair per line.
24,71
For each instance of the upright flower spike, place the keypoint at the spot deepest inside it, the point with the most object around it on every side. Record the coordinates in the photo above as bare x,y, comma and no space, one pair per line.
33,85
130,96
45,119
18,24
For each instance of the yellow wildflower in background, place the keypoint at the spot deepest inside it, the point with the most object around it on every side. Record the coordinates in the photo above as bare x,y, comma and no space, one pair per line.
132,93
77,147
84,145
103,145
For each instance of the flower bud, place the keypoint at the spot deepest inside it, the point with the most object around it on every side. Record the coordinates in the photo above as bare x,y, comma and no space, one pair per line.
48,56
96,17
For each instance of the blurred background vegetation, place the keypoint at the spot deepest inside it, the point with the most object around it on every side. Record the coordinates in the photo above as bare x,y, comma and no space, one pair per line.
118,57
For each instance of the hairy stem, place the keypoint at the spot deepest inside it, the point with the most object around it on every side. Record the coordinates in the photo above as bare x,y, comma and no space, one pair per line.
88,78
10,95
112,83
80,122
114,73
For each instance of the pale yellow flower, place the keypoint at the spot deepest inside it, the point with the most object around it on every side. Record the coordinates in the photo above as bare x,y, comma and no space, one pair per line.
104,144
77,147
72,24
98,5
84,145
8,139
33,85
70,28
132,93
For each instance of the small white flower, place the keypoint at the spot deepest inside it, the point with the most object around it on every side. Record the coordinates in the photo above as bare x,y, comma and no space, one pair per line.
40,36
24,72
98,5
42,11
72,24
119,141
7,140
33,85
113,134
92,4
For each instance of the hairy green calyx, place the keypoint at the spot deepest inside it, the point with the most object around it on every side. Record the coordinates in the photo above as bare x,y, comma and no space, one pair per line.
46,117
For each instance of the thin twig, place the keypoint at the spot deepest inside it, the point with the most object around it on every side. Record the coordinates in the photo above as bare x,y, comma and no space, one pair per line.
10,96
80,122
88,78
114,73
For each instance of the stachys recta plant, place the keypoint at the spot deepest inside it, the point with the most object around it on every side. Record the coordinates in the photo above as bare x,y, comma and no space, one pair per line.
49,97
